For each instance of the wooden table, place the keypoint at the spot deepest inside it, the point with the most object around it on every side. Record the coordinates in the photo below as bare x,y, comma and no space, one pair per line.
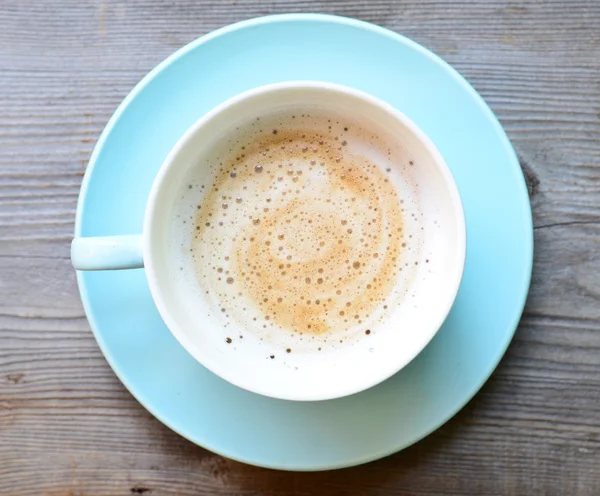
68,426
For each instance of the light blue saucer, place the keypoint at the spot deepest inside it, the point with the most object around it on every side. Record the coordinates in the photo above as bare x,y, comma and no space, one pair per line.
405,408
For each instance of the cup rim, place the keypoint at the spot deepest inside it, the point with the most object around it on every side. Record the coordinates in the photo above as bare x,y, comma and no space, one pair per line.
171,160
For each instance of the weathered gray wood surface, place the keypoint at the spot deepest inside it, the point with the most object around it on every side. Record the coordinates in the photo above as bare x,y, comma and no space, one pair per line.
68,427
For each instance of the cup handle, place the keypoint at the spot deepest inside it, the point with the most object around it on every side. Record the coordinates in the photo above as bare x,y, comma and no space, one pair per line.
107,252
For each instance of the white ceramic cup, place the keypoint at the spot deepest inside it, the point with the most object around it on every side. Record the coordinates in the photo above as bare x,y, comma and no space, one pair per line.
313,376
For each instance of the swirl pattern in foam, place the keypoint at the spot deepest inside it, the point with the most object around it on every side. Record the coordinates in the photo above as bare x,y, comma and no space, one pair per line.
300,234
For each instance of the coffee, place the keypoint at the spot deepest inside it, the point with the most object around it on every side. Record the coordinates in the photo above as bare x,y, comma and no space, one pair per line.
307,232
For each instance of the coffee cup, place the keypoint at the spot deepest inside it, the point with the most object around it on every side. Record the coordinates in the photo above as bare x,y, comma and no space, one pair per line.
302,240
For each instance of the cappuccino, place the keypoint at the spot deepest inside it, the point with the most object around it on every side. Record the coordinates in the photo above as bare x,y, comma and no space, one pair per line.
306,233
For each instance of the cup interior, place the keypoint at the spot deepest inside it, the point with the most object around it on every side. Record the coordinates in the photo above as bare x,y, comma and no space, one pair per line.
436,267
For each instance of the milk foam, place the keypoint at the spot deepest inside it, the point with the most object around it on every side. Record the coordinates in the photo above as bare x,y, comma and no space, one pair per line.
303,231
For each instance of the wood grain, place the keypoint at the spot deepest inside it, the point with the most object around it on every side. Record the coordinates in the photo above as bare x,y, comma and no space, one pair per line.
68,427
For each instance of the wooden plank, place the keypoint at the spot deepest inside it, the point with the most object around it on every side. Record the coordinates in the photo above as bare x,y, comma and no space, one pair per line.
68,427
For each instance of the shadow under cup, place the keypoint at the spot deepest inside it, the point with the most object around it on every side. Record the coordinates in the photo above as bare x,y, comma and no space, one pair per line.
325,366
